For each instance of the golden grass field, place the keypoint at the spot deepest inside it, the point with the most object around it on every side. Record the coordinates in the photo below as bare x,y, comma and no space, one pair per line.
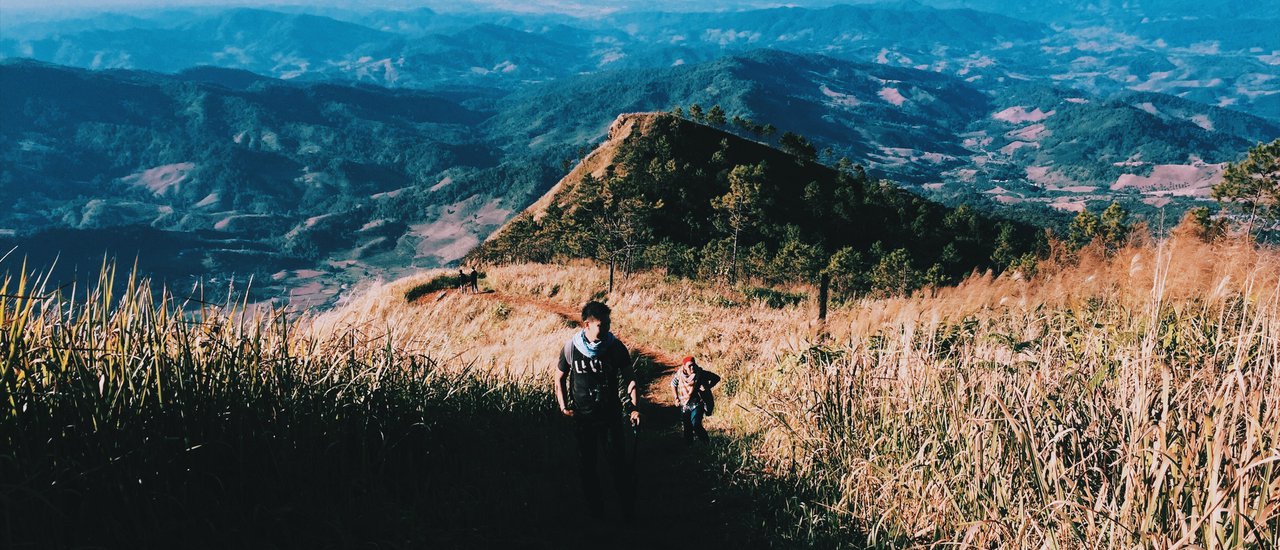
1112,401
1125,400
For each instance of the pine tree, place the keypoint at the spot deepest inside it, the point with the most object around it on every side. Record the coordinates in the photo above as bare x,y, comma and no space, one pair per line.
1113,226
796,259
1252,185
741,208
846,269
1006,252
715,116
798,145
893,274
695,112
612,220
1206,227
1084,228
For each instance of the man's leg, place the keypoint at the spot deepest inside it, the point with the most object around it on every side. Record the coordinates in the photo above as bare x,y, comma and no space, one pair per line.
624,479
695,418
686,422
588,440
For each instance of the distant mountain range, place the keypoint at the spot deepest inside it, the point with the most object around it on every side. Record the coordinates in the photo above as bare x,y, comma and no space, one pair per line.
1028,144
244,174
1213,59
325,172
363,142
1111,10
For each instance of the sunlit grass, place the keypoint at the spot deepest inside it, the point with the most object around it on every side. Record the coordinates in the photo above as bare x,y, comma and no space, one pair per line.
135,416
1114,401
1129,400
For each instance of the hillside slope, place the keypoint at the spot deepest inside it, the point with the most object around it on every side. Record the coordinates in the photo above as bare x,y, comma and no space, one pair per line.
240,174
695,200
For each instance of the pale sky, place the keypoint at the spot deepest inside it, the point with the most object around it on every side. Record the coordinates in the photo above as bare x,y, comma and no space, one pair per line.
100,5
440,5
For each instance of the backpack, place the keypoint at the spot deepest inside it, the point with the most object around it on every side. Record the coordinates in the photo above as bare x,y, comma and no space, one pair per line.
704,396
584,399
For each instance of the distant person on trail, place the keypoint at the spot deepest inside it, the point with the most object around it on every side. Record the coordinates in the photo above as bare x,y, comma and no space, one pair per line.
474,280
691,386
595,386
462,279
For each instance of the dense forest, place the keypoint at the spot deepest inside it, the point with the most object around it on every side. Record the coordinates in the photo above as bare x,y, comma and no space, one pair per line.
702,203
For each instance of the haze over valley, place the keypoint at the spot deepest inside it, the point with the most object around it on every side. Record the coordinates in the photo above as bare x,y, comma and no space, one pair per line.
290,140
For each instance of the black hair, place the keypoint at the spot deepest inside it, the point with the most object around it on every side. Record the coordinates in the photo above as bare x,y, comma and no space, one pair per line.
595,310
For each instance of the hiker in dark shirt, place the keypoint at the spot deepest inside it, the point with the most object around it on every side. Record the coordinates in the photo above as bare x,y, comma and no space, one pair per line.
462,280
474,280
691,386
595,386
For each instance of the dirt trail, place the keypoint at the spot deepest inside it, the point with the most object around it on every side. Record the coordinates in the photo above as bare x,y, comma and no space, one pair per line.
681,501
653,391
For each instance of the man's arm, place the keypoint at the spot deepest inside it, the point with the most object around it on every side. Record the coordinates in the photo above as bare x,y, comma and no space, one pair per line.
561,379
711,380
626,375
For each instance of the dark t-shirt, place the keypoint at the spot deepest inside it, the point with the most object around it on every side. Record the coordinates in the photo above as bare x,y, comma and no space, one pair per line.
598,385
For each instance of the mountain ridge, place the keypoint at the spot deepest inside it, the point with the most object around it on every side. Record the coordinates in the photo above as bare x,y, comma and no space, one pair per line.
695,200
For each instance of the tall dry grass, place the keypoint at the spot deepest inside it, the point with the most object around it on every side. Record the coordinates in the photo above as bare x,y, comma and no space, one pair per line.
1114,401
133,417
514,340
1121,401
1125,401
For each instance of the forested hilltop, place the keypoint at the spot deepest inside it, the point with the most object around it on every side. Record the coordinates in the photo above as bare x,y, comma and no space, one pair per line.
699,202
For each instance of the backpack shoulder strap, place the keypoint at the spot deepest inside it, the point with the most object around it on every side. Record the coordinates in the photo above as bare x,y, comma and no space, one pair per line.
568,352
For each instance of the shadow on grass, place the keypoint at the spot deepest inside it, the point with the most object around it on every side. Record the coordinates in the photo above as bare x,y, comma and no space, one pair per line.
382,473
246,447
470,472
785,508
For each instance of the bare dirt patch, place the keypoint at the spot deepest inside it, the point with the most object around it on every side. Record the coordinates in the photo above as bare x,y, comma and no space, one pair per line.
1193,179
1030,133
458,228
1067,205
161,179
1046,177
1010,149
892,96
1019,115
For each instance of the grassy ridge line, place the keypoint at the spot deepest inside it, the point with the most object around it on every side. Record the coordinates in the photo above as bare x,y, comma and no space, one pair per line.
126,421
524,333
1088,408
515,340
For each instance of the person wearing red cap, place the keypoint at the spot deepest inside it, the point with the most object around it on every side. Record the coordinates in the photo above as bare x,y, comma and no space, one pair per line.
691,386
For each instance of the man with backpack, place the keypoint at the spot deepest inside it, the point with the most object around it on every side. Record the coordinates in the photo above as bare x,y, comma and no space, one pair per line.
691,386
595,386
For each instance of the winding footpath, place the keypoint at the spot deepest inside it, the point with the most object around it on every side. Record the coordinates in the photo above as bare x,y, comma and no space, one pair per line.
683,499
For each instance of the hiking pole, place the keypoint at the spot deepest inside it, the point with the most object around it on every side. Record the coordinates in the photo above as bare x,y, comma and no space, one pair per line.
635,445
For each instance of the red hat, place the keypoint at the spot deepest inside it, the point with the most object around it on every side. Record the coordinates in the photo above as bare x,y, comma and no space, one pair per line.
687,359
